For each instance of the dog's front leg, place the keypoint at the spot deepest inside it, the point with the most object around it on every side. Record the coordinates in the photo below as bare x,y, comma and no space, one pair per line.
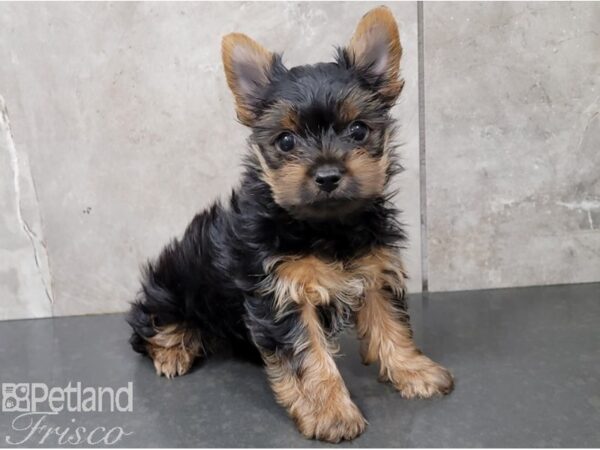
384,329
299,361
386,336
307,383
286,326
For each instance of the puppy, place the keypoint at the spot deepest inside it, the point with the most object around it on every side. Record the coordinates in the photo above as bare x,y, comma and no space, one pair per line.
308,243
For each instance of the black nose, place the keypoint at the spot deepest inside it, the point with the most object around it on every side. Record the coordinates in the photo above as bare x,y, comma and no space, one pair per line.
328,177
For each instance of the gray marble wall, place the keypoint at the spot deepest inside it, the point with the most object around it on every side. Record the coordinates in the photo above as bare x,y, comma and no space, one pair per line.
117,126
123,127
513,143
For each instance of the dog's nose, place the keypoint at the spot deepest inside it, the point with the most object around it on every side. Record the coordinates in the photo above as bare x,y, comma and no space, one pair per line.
328,177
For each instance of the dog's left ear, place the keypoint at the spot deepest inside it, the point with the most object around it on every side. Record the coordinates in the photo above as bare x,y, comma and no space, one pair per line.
375,51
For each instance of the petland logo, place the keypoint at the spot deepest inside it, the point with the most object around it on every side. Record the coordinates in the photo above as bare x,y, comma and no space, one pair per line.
34,402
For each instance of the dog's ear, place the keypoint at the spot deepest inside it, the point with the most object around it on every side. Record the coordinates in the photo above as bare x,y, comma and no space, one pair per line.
247,67
375,51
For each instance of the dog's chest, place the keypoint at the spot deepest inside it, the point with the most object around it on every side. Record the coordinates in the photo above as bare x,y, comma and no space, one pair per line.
309,279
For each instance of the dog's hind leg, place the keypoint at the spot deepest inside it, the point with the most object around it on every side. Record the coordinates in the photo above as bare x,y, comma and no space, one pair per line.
186,300
173,348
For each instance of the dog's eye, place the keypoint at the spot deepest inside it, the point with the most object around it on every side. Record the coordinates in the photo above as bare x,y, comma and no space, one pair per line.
358,131
286,142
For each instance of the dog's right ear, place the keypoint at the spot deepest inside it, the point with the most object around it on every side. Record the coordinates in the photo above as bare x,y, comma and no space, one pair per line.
248,68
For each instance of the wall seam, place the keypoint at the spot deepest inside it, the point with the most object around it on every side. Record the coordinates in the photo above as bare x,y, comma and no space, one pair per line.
422,149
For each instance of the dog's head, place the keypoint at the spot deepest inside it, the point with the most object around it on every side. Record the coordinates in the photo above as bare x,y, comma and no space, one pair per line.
321,132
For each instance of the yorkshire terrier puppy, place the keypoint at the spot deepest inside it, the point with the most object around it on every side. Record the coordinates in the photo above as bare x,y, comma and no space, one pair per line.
308,243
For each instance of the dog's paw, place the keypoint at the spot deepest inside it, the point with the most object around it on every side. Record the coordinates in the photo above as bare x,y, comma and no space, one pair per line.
333,423
172,361
422,378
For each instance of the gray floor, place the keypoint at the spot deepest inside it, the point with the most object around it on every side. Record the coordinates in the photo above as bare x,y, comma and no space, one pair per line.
527,364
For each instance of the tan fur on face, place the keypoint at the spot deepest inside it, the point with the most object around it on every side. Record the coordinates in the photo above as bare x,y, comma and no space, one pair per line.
174,349
283,114
375,26
285,182
290,120
238,48
348,110
315,396
370,172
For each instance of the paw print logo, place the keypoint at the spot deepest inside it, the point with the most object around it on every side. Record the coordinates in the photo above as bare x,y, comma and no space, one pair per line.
15,397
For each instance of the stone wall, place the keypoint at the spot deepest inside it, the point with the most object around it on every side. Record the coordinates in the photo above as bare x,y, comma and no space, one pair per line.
117,126
513,143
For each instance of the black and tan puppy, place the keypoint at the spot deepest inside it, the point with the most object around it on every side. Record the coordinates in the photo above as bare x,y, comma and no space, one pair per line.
308,243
